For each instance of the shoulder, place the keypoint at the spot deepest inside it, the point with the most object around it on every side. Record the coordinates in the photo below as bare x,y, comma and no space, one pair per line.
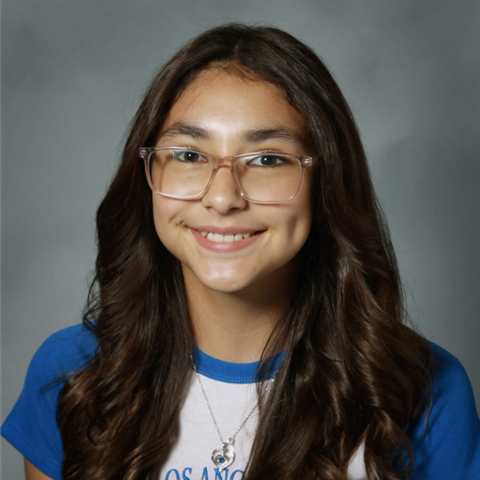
31,426
58,358
452,398
446,441
447,373
62,353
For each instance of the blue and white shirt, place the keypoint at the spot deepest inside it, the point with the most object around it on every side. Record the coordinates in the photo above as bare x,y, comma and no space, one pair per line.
449,450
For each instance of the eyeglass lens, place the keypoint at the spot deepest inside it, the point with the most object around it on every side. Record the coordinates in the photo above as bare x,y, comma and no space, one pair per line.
262,177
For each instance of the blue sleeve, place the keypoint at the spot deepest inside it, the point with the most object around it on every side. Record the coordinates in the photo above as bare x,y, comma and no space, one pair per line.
449,447
31,426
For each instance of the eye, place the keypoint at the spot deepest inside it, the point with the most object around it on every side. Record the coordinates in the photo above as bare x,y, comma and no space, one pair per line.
269,160
187,156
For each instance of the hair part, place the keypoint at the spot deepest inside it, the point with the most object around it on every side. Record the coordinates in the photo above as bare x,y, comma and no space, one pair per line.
352,371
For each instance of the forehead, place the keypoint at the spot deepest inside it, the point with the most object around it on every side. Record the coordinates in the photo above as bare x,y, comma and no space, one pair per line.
225,103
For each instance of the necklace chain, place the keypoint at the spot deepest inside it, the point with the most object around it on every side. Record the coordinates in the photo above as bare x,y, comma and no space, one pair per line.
231,439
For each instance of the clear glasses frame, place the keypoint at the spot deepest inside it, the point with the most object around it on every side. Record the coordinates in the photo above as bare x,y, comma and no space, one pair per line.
218,162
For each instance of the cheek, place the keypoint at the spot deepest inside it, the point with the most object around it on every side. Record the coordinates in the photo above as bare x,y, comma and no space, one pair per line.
299,225
164,215
298,230
300,219
158,217
293,224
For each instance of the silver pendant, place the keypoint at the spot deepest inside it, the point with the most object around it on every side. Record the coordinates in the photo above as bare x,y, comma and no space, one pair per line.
225,456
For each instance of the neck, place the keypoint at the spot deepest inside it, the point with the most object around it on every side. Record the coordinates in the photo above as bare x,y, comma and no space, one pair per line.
234,327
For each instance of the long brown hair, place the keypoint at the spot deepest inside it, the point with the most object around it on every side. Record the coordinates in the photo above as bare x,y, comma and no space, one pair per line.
352,371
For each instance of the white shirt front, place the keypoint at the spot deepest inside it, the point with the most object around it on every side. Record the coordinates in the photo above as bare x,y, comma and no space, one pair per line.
232,393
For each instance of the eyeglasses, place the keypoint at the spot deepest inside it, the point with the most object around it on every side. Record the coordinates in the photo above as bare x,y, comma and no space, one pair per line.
260,177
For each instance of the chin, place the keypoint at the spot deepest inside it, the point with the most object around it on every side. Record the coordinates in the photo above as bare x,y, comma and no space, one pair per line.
224,284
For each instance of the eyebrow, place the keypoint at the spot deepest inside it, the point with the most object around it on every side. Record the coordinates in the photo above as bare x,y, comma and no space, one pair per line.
252,136
279,133
180,128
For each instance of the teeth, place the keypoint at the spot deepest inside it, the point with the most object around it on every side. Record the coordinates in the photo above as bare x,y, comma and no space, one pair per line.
216,237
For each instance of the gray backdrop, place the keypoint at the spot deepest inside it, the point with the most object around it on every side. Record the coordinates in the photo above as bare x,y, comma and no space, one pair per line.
72,76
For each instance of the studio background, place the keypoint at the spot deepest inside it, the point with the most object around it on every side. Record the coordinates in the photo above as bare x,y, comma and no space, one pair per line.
73,73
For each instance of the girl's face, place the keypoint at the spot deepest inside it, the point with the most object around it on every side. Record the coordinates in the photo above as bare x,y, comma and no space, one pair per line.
222,114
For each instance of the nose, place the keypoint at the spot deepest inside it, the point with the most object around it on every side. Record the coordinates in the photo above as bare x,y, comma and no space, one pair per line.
223,194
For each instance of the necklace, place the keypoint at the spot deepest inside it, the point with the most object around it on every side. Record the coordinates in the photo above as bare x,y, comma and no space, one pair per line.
224,456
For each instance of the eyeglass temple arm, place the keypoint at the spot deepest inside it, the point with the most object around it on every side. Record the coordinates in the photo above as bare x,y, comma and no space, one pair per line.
144,152
309,161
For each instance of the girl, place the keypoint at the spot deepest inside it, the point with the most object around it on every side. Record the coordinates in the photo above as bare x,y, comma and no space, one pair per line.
246,318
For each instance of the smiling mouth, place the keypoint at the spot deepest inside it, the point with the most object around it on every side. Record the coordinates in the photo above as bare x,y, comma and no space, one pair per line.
218,238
